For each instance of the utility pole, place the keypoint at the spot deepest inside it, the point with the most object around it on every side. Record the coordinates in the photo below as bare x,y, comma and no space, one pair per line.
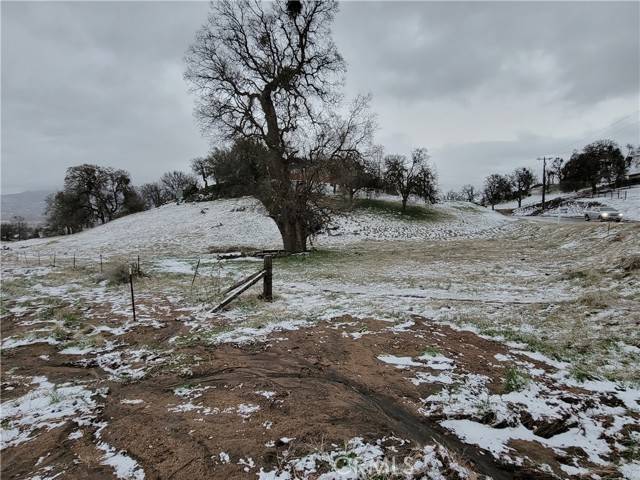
544,180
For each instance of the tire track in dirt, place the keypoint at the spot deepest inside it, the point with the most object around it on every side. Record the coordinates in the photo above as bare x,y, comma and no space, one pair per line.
397,418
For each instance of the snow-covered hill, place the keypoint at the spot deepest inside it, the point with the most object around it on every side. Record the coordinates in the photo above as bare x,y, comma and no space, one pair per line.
533,199
195,228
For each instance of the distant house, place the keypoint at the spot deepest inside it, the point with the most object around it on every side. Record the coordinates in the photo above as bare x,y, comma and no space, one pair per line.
633,175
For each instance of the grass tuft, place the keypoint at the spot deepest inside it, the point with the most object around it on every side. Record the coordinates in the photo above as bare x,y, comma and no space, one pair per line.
515,380
630,263
595,299
431,351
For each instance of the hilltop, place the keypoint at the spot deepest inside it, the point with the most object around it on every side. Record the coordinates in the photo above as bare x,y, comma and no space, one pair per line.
243,223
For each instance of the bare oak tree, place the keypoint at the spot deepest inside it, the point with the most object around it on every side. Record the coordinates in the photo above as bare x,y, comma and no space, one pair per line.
176,183
152,194
270,71
522,180
414,177
468,193
202,168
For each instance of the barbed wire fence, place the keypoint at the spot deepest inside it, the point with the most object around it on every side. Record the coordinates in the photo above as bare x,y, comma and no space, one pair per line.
99,262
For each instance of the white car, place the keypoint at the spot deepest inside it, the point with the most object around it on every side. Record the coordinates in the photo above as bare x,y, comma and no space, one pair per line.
603,214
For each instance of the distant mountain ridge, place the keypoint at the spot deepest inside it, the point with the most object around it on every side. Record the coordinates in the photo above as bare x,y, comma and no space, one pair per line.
29,205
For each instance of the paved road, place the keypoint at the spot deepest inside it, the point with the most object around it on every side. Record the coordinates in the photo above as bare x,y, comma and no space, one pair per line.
554,219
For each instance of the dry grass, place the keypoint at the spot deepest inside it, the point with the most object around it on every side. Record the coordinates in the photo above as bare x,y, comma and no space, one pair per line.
596,299
630,263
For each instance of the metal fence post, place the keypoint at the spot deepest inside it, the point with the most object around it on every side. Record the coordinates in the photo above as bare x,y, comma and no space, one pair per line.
133,302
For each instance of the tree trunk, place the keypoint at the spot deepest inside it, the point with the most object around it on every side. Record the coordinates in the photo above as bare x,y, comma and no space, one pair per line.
519,202
404,203
493,207
294,236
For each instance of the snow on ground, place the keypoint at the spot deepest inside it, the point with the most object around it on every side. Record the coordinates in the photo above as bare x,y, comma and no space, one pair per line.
460,219
511,288
491,421
573,206
124,467
359,459
47,406
187,227
629,207
194,228
533,199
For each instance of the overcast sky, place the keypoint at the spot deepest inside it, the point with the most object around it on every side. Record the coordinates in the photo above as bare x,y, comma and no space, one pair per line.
486,87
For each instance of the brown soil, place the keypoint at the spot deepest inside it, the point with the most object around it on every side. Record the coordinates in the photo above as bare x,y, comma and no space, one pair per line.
329,388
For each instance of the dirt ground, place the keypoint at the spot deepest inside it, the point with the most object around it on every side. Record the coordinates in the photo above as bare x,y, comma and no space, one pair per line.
231,410
328,387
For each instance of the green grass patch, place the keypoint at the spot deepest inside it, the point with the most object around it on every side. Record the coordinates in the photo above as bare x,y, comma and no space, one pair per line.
15,287
514,380
431,352
412,212
313,257
61,334
580,373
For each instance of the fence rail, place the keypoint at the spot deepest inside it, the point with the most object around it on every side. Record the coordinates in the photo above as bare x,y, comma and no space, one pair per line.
52,259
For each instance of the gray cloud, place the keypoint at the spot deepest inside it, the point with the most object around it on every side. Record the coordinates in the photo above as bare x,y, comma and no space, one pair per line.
99,83
586,51
483,85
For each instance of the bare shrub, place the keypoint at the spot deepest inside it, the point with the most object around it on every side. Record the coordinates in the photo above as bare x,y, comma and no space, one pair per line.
595,299
630,263
118,273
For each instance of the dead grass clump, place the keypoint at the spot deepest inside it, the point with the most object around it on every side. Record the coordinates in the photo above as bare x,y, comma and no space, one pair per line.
596,299
585,275
630,263
118,273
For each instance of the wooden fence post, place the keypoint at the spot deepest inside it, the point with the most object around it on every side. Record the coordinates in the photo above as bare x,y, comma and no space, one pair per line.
133,302
54,259
74,260
267,293
100,263
38,258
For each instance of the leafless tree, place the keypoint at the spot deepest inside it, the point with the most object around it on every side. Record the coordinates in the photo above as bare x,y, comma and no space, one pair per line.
414,177
202,168
270,71
152,194
522,180
453,196
176,183
497,188
468,193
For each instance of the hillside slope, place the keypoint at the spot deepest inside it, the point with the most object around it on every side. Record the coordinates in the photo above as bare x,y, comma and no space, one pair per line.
195,228
625,200
28,205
